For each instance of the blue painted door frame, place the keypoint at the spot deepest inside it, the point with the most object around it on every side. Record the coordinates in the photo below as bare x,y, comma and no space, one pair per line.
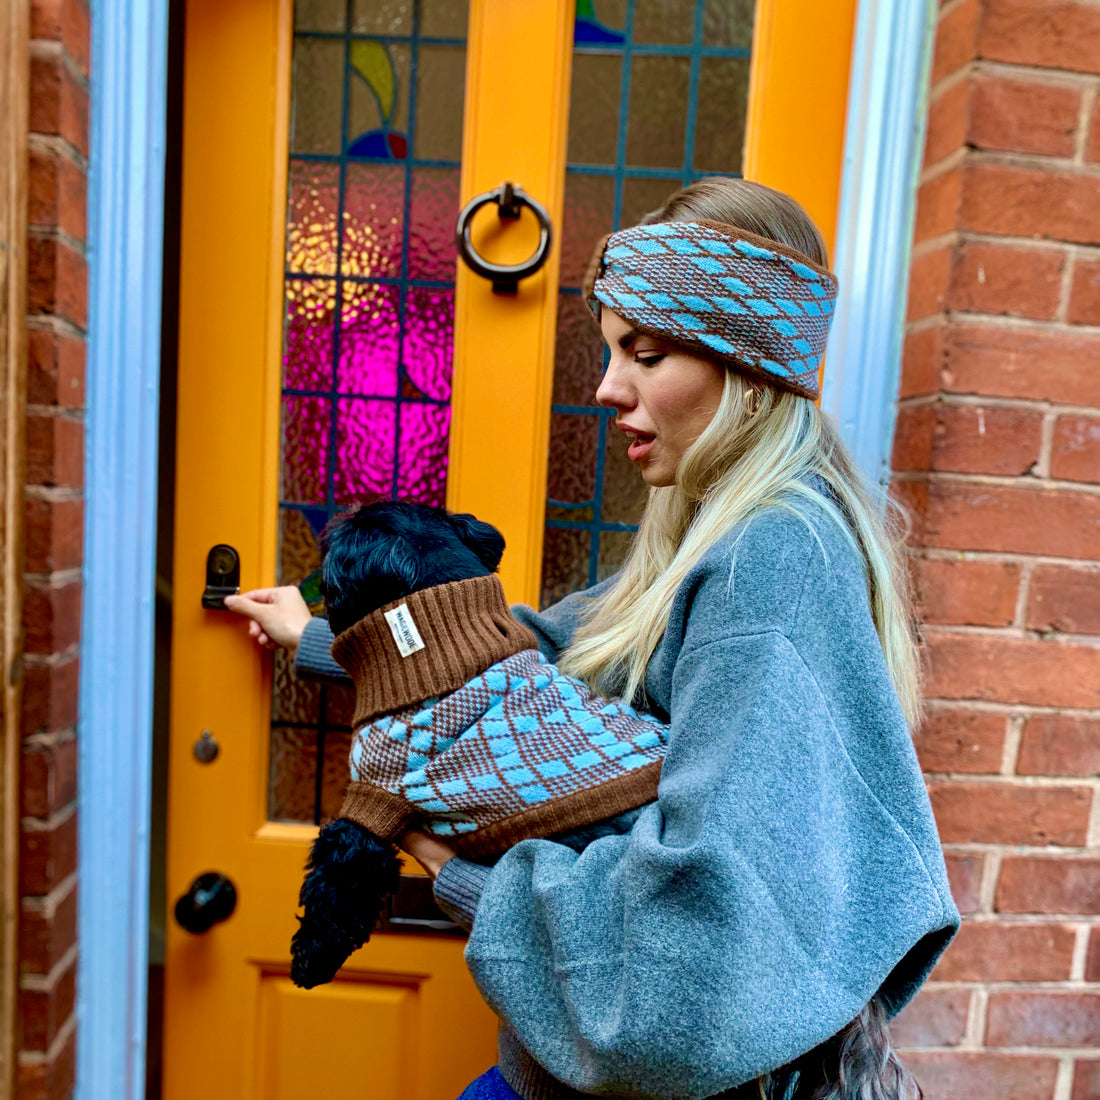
126,217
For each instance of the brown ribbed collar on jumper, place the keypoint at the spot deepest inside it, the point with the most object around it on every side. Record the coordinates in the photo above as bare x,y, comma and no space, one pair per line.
465,626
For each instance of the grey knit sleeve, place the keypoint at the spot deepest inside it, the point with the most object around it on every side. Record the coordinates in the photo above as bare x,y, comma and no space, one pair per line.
458,889
313,660
554,627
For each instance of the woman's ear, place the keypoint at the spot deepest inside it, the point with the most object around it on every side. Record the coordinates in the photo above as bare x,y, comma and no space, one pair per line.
482,538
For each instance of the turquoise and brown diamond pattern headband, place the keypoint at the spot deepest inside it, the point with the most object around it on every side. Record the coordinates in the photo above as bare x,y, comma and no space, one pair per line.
754,304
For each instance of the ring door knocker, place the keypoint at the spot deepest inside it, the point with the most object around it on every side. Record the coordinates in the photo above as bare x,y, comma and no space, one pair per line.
511,199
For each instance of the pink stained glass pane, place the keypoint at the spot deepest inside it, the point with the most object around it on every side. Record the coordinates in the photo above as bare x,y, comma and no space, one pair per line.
427,352
422,473
374,199
433,209
308,337
369,329
306,432
313,208
365,439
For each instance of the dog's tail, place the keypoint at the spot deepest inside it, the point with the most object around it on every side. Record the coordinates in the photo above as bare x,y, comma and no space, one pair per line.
350,873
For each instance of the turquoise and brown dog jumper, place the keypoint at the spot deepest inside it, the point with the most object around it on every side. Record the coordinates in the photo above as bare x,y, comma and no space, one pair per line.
474,735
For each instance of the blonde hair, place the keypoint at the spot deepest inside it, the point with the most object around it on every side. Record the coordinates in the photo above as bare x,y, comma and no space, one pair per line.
762,449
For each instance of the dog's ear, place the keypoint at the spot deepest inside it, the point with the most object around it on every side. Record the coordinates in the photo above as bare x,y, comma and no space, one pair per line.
482,538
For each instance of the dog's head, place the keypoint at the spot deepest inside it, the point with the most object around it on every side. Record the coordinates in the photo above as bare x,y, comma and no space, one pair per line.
380,552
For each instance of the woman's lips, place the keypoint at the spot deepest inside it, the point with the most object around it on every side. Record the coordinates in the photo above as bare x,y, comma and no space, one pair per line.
640,444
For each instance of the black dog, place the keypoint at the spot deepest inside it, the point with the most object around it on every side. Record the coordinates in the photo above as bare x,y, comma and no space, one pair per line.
372,557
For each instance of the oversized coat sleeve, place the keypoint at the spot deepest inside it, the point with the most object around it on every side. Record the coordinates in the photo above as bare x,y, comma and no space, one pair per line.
754,908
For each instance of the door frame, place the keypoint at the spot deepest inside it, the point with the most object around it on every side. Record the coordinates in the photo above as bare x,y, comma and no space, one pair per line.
886,105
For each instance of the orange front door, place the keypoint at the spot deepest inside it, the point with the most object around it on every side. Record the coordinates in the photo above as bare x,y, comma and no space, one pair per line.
291,399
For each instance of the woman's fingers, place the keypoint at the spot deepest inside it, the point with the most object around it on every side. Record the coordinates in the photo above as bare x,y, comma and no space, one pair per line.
278,615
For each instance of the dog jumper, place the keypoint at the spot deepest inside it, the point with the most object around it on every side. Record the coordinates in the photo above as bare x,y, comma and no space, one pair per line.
474,735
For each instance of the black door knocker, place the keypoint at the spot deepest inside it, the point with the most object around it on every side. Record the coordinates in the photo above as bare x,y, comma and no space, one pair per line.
511,199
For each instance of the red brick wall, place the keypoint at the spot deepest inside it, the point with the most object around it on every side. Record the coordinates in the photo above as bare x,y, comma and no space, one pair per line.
58,312
997,454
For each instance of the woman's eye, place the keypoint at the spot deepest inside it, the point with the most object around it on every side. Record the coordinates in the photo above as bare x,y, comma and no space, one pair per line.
648,359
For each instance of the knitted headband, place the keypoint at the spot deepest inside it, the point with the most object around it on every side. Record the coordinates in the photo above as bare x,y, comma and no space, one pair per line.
752,303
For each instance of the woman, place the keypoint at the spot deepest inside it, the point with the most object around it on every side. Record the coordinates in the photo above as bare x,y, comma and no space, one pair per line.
749,932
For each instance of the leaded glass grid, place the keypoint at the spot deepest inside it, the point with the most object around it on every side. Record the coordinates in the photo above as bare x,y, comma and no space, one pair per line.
659,99
373,189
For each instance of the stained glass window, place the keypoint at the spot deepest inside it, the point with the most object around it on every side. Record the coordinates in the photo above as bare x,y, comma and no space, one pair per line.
659,99
375,139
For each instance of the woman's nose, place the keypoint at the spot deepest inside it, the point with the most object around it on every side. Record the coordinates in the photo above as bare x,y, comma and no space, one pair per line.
614,390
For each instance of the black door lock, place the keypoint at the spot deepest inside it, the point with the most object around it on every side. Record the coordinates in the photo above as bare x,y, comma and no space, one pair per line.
211,898
223,576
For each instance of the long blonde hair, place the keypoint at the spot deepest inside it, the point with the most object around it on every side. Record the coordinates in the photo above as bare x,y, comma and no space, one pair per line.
762,449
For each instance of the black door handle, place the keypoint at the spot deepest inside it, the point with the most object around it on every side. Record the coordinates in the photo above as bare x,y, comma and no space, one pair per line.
211,898
505,277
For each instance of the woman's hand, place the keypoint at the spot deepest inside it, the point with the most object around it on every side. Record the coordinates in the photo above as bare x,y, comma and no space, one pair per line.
430,853
279,616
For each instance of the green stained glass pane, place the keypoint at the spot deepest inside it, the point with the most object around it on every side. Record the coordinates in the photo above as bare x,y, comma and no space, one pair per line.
382,17
613,551
293,774
589,206
643,196
578,355
444,18
657,123
720,119
572,478
728,23
441,83
318,95
378,88
624,491
320,15
564,563
668,22
594,111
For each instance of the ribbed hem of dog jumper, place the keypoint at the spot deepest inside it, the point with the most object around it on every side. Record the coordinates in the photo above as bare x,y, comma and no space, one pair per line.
532,1082
466,626
314,658
458,888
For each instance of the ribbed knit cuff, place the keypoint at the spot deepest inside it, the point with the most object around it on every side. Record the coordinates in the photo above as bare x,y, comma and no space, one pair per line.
458,888
313,661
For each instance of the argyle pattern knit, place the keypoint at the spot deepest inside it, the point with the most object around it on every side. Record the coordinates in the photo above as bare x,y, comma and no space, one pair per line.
518,750
760,306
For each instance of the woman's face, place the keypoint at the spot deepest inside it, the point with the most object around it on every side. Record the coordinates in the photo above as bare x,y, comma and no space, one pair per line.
663,396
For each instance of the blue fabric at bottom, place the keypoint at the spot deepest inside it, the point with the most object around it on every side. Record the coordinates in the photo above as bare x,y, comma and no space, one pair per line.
490,1086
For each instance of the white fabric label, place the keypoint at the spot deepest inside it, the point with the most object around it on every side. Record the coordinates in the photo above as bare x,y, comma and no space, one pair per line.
404,630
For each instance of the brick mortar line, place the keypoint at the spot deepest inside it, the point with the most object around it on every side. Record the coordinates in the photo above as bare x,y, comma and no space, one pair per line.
46,1057
1049,986
1066,853
1025,634
1063,1083
59,326
1010,751
1092,830
63,412
54,233
976,1014
947,8
1023,595
1011,70
51,660
977,400
52,49
1010,780
1002,481
1061,312
1088,99
45,983
934,553
987,888
923,323
1080,952
59,147
48,824
1034,161
1007,709
49,740
57,578
952,80
47,904
944,165
961,237
1028,920
1003,321
1046,446
52,494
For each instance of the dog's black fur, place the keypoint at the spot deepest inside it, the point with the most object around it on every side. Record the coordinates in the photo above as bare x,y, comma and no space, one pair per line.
373,556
